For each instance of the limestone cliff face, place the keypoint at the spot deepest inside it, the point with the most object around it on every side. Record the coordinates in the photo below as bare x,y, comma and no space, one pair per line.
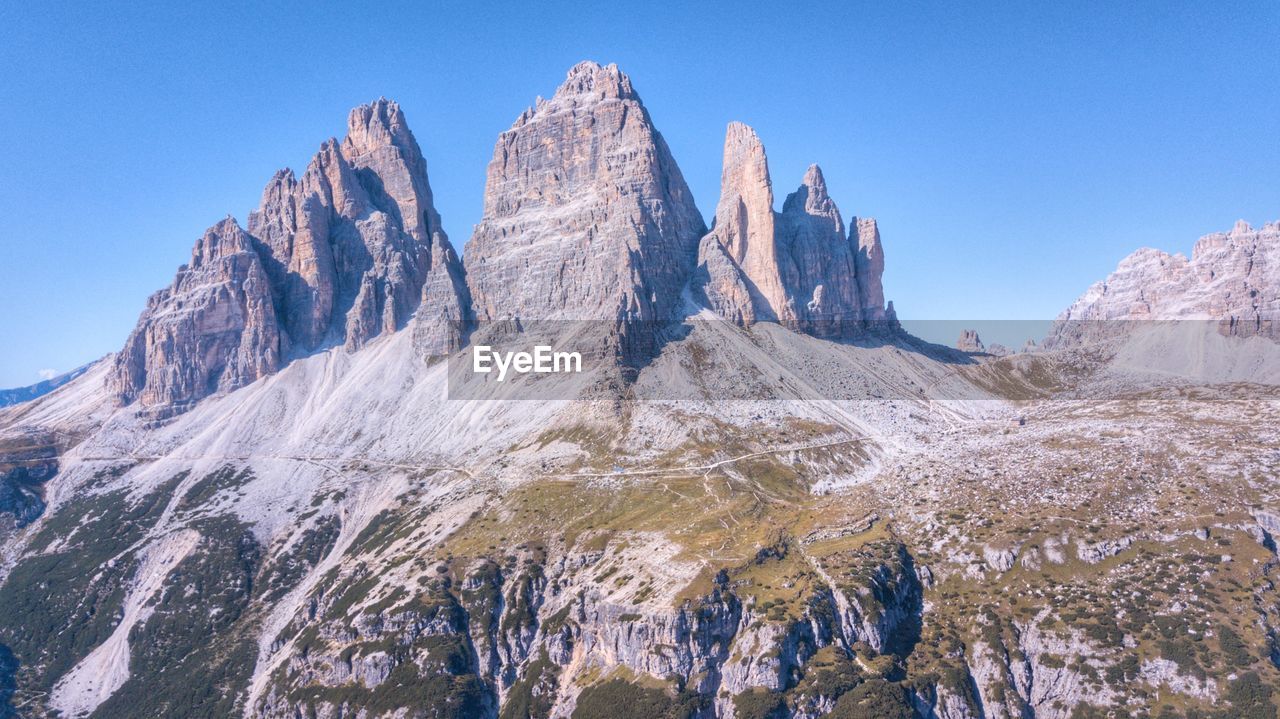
586,215
214,329
354,241
869,266
345,253
1232,278
825,275
798,267
530,630
751,286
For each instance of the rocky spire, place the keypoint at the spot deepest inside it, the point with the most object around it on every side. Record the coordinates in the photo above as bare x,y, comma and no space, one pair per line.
745,222
586,215
864,236
345,253
825,283
797,267
353,241
969,341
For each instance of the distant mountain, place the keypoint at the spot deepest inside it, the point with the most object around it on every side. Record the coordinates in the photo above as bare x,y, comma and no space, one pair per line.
1231,281
39,389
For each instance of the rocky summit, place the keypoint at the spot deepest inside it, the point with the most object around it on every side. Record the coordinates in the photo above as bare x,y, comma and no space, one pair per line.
272,504
798,267
1232,280
586,214
346,253
969,341
214,329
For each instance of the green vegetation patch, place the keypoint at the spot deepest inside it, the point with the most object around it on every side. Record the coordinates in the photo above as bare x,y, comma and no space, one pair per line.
621,699
56,607
196,652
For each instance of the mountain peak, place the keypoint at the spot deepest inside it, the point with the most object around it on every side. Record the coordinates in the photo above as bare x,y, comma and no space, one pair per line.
591,78
345,253
811,198
798,266
374,125
223,238
744,214
1230,279
586,214
813,178
742,144
213,330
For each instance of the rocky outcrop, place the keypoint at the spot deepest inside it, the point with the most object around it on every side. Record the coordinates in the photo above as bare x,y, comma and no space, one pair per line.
538,628
341,255
1232,280
355,246
798,267
969,341
1094,552
869,266
586,215
748,283
213,330
28,459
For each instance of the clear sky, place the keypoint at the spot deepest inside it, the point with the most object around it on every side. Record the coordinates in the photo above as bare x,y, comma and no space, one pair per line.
1013,152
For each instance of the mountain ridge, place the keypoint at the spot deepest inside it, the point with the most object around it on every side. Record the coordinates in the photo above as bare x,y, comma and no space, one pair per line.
587,217
773,517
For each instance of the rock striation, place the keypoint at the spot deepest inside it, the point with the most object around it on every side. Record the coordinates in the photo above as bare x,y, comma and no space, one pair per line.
799,267
1232,279
345,253
586,215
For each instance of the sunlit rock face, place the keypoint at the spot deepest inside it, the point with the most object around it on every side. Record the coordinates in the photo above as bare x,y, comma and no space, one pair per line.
586,215
345,253
799,267
214,329
1231,279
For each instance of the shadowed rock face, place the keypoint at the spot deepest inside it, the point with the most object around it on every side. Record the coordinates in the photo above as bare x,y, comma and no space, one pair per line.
586,215
341,255
797,267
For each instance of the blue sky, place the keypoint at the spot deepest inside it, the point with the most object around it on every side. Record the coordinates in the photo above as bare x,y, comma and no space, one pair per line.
1012,152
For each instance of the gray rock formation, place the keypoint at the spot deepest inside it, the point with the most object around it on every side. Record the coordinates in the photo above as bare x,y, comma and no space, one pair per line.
213,330
969,341
743,278
586,215
1232,279
342,255
354,242
797,267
